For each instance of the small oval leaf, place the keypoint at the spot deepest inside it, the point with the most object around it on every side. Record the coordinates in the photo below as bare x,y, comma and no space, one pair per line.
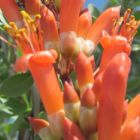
16,85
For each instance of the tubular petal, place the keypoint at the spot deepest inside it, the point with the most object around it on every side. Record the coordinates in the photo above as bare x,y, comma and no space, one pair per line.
21,64
48,25
112,96
84,70
69,15
41,67
11,11
133,109
131,131
103,22
85,21
32,6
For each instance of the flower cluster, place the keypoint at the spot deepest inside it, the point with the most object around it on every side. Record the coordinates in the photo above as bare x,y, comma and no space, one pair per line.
60,39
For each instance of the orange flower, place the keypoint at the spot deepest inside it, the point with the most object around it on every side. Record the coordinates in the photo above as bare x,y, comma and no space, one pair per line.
11,11
113,45
103,22
85,22
28,39
41,67
120,39
112,94
48,25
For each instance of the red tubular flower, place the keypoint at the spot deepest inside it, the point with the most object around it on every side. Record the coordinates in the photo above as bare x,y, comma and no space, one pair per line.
32,6
48,25
69,15
11,11
112,94
41,67
113,45
103,22
85,21
84,70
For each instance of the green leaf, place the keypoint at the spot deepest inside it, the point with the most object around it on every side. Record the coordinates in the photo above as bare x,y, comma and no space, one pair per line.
94,11
19,124
16,85
17,106
137,14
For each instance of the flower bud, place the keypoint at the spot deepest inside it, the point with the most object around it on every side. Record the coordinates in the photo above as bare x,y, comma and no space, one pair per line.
71,131
88,112
71,103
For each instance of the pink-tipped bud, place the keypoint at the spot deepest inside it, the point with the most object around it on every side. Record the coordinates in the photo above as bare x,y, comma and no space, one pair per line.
71,131
70,95
88,99
71,102
88,112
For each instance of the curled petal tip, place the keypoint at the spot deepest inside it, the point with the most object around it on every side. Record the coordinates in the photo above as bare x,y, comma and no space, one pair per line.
21,64
38,124
44,57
